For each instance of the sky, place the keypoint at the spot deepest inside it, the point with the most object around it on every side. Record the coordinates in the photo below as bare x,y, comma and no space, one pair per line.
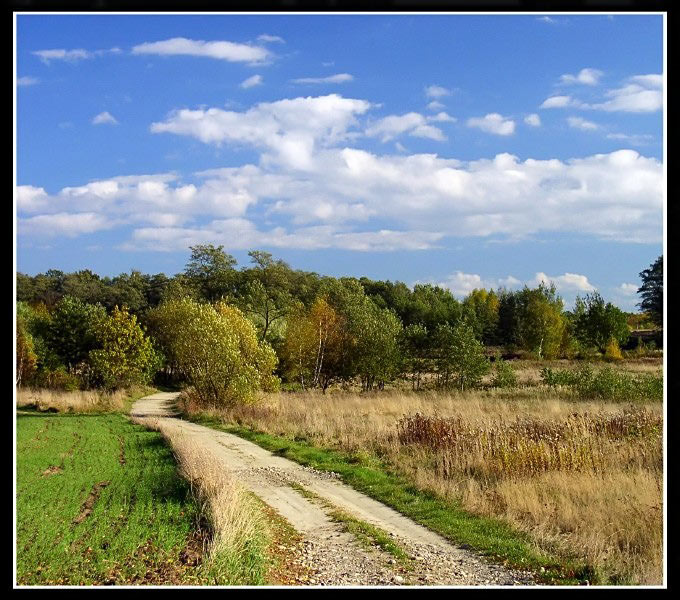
463,150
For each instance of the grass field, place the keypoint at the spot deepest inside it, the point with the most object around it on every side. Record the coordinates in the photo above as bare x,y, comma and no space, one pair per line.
99,501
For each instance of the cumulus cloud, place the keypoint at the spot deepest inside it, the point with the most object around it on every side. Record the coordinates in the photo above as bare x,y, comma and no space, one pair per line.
493,123
435,105
642,93
220,50
569,282
628,289
62,54
24,81
67,224
288,129
339,78
312,183
104,118
270,39
582,124
560,102
413,124
585,76
436,91
461,284
253,81
533,119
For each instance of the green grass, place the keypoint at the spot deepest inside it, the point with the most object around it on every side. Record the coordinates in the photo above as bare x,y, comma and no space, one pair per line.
139,524
489,537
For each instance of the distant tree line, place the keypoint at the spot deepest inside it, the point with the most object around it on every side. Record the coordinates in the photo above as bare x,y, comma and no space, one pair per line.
230,331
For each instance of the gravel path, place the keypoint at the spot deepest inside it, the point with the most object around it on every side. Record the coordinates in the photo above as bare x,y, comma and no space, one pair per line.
331,554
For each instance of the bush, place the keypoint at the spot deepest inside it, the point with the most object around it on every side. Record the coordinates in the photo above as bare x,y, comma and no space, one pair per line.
612,351
606,384
504,374
125,355
217,349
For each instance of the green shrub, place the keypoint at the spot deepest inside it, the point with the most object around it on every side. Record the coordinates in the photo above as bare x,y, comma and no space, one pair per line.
504,374
606,384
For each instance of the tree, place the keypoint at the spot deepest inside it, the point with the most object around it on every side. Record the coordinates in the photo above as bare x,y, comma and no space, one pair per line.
313,345
217,349
480,310
211,271
597,324
125,355
416,345
460,358
26,358
377,354
266,294
70,332
651,291
541,322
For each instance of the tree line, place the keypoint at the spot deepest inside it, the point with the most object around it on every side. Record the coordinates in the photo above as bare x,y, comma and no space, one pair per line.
230,331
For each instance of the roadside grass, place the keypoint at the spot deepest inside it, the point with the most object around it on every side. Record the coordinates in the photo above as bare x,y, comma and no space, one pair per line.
237,553
99,501
80,401
489,537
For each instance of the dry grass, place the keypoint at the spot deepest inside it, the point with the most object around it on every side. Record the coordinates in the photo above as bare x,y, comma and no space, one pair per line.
580,477
238,531
88,401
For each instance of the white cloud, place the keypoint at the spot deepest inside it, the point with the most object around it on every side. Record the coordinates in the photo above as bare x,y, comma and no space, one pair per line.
436,91
442,117
339,78
628,289
253,81
399,147
533,119
61,54
642,93
291,129
634,139
560,102
413,124
567,282
585,76
270,38
104,118
68,224
547,20
312,183
509,282
435,105
24,81
493,123
220,50
582,124
461,284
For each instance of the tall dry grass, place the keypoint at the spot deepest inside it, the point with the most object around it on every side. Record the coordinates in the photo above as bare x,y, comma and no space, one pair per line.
581,477
87,401
239,535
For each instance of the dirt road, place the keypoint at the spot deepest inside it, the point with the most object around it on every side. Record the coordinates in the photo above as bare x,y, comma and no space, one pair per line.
305,497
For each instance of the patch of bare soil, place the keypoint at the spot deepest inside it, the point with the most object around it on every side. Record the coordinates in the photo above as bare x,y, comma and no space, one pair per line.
52,470
88,505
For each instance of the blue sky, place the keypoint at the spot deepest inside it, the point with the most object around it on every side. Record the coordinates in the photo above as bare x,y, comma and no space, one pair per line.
465,150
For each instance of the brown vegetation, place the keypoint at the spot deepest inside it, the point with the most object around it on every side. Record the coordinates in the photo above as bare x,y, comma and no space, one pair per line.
582,478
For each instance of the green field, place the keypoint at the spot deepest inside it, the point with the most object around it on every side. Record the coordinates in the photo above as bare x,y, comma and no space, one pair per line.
99,501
